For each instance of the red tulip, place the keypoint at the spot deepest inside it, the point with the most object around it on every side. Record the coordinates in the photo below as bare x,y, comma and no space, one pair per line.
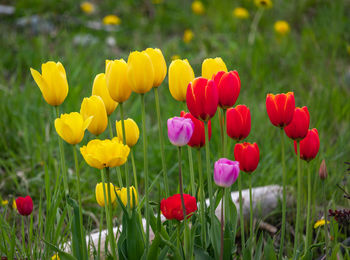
309,146
238,122
280,108
202,98
247,155
298,128
172,207
229,86
24,205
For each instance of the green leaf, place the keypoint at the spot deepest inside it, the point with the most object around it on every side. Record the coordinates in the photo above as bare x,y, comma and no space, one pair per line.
153,251
215,230
63,255
201,254
269,250
135,243
258,250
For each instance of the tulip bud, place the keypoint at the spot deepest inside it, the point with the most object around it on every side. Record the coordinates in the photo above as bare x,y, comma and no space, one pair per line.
171,207
159,65
323,170
309,146
180,130
94,106
212,66
229,86
99,88
52,82
225,172
100,195
123,195
132,131
298,128
24,205
280,108
238,122
71,127
247,155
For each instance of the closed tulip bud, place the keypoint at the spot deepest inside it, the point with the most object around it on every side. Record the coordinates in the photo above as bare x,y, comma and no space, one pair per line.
24,205
180,75
171,207
180,130
229,86
225,172
117,80
280,108
309,146
198,136
238,122
247,155
140,72
323,170
212,66
202,98
132,131
94,106
159,65
100,195
71,127
123,195
99,88
52,82
298,128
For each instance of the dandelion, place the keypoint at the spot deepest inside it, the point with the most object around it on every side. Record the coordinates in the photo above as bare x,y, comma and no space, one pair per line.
240,13
111,20
4,202
198,7
87,7
281,27
320,223
263,3
188,36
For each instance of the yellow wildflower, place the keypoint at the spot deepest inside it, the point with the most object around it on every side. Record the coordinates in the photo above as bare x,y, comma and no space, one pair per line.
111,20
55,257
320,223
87,7
240,13
263,3
4,202
14,205
197,7
281,27
188,36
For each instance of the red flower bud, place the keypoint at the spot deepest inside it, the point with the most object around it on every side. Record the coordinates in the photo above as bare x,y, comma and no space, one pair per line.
238,122
229,86
172,207
24,205
247,155
323,170
298,128
202,98
309,146
280,108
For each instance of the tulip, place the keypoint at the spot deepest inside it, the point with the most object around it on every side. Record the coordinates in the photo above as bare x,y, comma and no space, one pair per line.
24,205
71,127
94,106
309,146
225,172
117,81
52,82
198,136
180,130
202,98
229,86
298,128
159,65
247,155
212,66
180,75
238,122
140,72
122,194
323,170
105,153
280,108
171,207
100,89
132,131
99,194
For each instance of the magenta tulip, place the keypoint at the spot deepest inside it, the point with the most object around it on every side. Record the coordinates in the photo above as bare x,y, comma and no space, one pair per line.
180,130
225,172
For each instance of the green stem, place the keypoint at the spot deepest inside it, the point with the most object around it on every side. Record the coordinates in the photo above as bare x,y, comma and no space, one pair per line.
284,179
325,217
254,26
201,199
251,210
224,132
23,237
297,225
181,184
134,170
221,133
309,191
99,234
110,128
209,173
190,160
241,210
222,225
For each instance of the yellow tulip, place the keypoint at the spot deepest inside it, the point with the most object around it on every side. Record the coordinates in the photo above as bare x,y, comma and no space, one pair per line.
94,106
212,66
132,131
71,127
117,81
123,195
281,27
105,153
14,205
99,88
52,82
180,75
99,194
140,72
197,7
159,65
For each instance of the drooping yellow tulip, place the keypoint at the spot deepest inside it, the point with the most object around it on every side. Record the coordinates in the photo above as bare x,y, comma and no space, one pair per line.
180,75
212,66
52,82
94,106
71,127
105,153
159,65
99,88
117,81
99,194
123,195
140,72
132,131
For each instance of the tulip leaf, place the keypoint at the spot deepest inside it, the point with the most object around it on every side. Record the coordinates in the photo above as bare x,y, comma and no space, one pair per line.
62,255
122,248
215,236
154,248
201,254
230,213
258,248
269,251
135,245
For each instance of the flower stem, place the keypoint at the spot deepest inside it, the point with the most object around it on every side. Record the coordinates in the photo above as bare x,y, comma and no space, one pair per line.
221,123
201,199
134,170
241,210
209,175
99,235
284,196
23,237
222,225
325,217
181,184
190,159
251,210
254,26
297,225
224,132
309,190
110,127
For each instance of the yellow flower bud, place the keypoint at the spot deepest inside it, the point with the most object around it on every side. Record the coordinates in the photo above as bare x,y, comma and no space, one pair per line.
240,13
188,36
105,153
87,7
111,19
140,72
132,131
281,27
99,88
52,82
94,106
197,7
180,75
159,65
71,127
99,194
123,195
212,66
14,205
